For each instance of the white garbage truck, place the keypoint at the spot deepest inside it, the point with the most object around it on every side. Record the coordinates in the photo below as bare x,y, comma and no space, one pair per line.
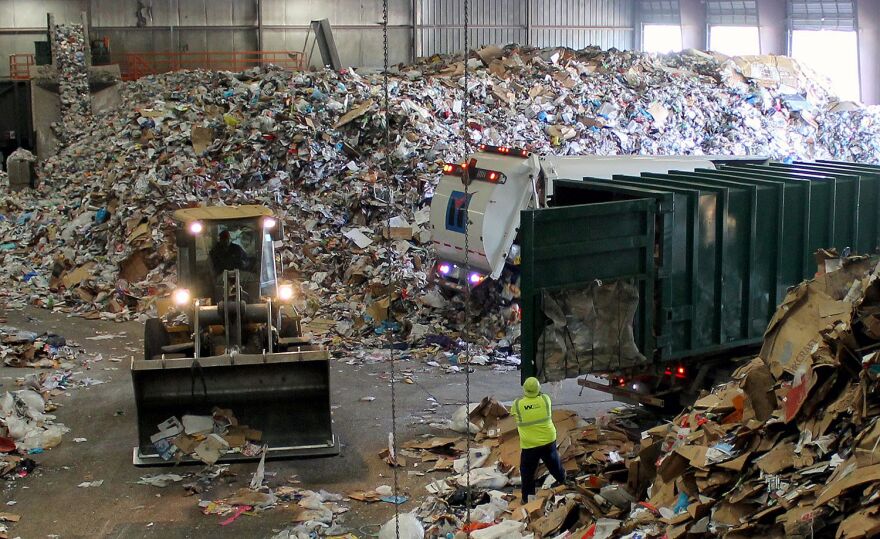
502,181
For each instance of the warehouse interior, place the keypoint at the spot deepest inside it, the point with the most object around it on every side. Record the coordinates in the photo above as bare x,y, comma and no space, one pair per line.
439,268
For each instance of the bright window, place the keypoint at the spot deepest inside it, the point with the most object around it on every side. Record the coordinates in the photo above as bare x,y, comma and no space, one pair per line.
833,54
735,40
661,38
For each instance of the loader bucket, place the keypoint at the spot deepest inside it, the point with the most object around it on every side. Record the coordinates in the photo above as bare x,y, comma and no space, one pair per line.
284,395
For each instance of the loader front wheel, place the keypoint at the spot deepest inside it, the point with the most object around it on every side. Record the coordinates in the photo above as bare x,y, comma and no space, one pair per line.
155,337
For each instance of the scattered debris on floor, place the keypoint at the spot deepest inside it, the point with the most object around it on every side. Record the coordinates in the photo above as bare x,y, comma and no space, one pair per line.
91,484
160,480
311,511
13,466
4,518
20,348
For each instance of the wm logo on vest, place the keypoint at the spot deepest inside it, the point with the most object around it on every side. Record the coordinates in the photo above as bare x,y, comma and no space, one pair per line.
530,406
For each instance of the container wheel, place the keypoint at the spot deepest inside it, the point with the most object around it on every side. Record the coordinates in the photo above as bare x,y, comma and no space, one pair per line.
155,337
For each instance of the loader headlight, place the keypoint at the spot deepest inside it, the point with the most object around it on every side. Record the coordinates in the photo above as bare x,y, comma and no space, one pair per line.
285,292
196,227
269,223
181,297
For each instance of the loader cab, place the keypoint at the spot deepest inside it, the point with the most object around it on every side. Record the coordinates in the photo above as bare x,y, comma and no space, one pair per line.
210,244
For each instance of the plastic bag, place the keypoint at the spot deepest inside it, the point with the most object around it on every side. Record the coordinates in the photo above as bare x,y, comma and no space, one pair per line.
34,403
489,512
37,438
315,509
506,529
479,456
484,478
459,421
410,528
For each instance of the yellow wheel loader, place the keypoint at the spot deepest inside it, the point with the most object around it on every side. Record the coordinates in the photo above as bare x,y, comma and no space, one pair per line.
240,346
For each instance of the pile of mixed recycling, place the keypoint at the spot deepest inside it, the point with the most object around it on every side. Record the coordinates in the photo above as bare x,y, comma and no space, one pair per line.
97,239
787,448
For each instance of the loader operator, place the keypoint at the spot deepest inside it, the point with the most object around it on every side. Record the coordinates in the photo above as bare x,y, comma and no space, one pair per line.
537,436
227,255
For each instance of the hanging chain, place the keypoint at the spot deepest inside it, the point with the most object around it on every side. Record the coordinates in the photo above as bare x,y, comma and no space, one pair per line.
391,261
467,254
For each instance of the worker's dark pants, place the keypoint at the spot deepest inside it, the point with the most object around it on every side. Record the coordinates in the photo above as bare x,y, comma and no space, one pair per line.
528,465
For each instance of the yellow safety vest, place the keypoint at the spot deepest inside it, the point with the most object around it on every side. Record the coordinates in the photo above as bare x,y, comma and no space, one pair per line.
534,421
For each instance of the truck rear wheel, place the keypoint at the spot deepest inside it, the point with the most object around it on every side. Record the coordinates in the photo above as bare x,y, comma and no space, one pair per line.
155,337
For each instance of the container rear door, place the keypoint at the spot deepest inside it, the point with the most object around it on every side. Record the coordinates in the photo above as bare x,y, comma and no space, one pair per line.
569,254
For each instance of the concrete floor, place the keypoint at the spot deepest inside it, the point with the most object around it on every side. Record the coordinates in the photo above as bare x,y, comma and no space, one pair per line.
50,503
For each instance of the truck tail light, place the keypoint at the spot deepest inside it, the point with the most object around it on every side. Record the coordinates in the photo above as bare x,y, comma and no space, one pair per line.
453,169
473,173
504,150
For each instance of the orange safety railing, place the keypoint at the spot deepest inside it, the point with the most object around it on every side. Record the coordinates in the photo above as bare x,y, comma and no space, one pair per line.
137,64
20,66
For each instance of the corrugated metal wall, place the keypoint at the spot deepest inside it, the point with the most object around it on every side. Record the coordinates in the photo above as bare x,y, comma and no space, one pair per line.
356,28
226,25
217,25
441,28
177,25
580,23
543,23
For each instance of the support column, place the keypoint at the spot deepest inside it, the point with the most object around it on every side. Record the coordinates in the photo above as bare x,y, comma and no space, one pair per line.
416,30
868,17
693,24
259,7
773,26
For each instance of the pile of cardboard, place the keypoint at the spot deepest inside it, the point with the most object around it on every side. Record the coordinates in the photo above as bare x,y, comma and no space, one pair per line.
787,448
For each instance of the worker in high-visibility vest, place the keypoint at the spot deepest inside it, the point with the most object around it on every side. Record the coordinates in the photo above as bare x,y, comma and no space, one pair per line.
537,436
